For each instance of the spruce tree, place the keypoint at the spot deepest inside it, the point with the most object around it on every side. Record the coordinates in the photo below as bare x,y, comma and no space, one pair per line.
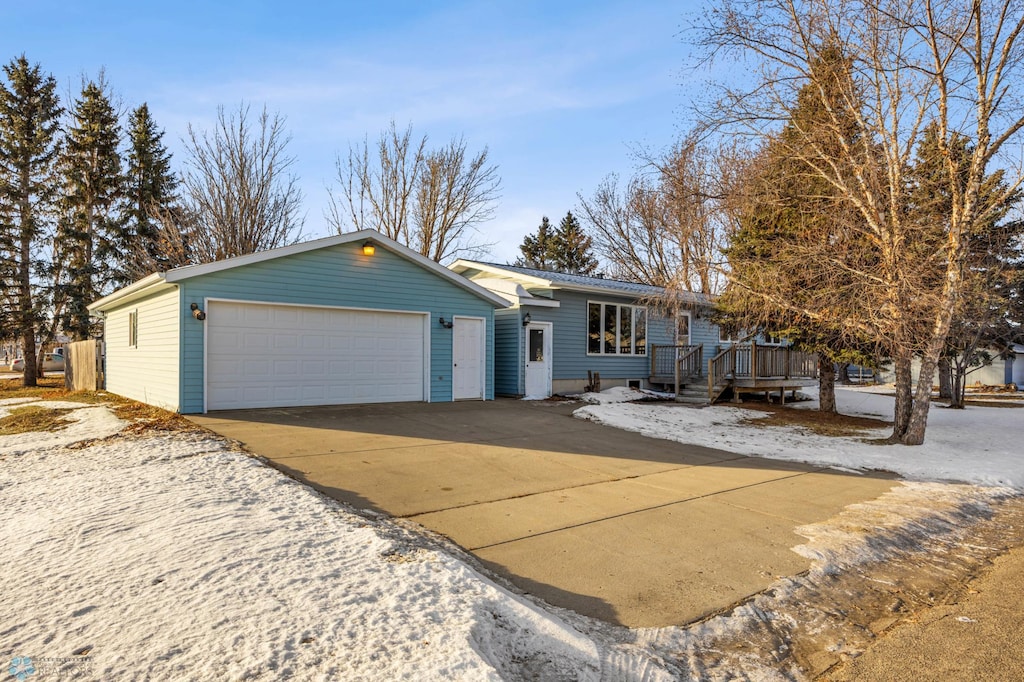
150,191
29,143
537,249
791,208
571,248
90,230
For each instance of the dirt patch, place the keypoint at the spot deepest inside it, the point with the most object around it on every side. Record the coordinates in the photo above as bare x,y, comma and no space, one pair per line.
824,423
32,418
144,417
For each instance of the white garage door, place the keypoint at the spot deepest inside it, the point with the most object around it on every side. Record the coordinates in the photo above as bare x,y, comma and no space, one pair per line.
279,356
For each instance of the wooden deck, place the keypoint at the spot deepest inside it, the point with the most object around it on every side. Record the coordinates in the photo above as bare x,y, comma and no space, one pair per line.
752,368
738,369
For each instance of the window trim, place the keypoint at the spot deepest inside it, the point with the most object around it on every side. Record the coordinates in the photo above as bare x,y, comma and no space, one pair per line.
689,327
618,329
133,328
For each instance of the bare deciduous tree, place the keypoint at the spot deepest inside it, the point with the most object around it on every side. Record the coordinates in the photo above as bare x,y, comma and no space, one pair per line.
238,187
428,199
914,63
665,226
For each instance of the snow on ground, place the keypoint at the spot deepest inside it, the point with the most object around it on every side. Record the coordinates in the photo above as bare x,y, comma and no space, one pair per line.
89,421
619,394
978,445
175,557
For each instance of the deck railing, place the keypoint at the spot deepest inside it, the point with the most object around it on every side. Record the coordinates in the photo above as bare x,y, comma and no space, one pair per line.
664,358
752,362
689,362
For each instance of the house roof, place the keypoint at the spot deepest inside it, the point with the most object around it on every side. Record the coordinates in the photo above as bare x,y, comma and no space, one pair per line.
163,280
563,280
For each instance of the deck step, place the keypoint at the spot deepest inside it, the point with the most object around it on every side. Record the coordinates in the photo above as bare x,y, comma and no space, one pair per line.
693,395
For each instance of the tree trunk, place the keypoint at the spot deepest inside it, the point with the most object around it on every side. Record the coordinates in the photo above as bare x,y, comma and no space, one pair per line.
958,381
25,308
904,400
914,434
843,375
945,384
826,385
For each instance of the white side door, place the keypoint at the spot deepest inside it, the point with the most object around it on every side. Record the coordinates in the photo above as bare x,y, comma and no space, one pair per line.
468,362
538,359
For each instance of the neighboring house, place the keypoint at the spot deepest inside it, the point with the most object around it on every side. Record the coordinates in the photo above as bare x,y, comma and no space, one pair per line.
561,326
356,318
1006,368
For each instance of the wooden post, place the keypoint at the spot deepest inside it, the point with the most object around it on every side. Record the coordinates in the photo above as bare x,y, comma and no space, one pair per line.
789,359
753,361
711,379
675,372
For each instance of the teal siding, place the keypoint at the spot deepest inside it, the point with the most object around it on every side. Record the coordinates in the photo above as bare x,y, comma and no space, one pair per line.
571,360
569,344
337,276
508,366
703,330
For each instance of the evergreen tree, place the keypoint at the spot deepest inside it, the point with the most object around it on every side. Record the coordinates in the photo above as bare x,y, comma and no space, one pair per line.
90,231
150,192
537,249
29,144
571,248
791,217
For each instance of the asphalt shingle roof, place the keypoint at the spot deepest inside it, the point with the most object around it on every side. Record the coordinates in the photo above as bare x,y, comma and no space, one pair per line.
570,280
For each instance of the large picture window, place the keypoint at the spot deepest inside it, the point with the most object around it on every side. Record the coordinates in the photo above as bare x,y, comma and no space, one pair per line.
614,329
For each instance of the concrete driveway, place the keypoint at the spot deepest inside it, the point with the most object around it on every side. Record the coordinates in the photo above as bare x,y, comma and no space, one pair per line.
632,530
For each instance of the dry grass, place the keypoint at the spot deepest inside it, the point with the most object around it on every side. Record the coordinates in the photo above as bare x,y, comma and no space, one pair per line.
32,418
821,423
142,416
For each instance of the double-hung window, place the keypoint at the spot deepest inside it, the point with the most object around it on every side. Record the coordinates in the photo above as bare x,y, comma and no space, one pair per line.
614,329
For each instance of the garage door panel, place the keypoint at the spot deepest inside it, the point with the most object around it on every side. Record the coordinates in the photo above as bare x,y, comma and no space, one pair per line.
315,342
270,355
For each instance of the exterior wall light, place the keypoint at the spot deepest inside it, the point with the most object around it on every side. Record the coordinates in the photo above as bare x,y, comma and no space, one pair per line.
447,324
526,319
369,249
196,312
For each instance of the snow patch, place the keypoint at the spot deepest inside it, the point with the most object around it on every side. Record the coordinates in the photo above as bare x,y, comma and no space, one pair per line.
88,422
979,445
615,394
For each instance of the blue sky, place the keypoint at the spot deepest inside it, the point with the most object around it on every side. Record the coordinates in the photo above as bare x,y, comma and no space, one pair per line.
560,92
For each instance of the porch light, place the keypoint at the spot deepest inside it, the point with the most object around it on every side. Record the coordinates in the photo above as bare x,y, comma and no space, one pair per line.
526,319
196,312
368,248
447,324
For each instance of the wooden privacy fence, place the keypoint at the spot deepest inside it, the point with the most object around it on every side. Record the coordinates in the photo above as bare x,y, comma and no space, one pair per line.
83,366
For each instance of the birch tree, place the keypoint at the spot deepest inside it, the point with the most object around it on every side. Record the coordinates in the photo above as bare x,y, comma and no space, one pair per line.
950,64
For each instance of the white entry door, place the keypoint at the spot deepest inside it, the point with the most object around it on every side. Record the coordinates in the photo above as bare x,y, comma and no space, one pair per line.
538,360
468,358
